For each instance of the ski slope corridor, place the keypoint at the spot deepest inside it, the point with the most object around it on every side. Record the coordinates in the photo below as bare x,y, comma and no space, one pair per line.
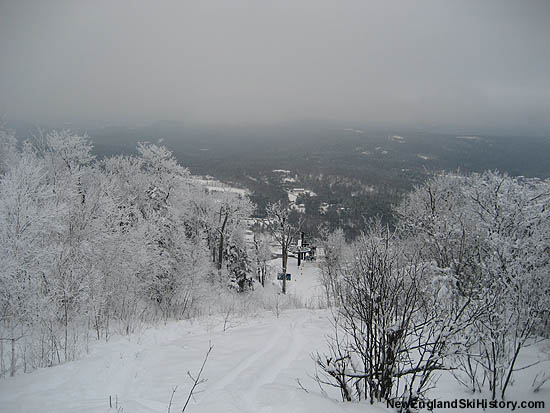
254,366
260,364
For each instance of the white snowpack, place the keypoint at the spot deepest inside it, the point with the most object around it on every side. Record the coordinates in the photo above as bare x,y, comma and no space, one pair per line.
255,366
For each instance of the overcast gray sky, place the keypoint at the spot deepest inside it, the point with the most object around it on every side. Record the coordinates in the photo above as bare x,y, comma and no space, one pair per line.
444,63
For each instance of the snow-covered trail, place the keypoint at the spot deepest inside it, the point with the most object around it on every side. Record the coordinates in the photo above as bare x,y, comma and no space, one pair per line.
252,368
305,282
269,368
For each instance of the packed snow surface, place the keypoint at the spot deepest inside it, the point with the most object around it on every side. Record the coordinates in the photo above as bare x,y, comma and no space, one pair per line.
259,363
253,367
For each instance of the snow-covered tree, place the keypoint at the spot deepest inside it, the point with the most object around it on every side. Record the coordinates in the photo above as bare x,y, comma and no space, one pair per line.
96,247
28,215
392,329
487,235
282,231
262,256
8,151
336,254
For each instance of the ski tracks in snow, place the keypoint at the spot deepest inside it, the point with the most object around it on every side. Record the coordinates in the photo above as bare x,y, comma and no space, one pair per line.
270,355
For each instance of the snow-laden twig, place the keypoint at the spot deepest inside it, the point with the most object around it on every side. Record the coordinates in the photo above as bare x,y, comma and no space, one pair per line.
539,382
197,381
171,398
301,386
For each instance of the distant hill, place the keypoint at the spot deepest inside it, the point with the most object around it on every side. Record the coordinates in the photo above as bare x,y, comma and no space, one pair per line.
358,171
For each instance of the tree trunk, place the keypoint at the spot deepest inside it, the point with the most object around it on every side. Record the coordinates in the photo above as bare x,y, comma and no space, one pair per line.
220,245
220,253
285,260
13,358
65,305
2,368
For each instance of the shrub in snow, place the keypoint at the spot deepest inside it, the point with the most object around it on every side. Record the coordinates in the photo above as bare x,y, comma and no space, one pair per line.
392,329
488,234
462,284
